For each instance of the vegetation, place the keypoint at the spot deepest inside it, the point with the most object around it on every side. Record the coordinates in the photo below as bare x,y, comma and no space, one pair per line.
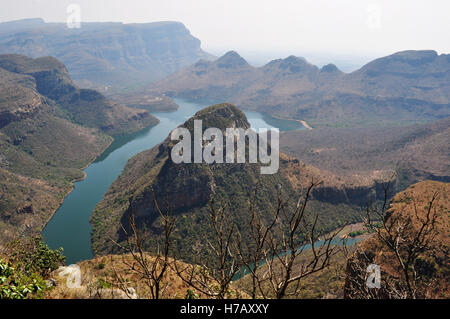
414,153
16,285
190,188
410,245
28,263
49,131
356,233
325,284
32,255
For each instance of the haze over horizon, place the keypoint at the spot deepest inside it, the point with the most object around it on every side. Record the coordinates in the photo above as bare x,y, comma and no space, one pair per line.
348,33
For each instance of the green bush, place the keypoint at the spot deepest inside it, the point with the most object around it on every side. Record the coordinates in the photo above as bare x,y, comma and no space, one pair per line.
16,285
356,233
32,255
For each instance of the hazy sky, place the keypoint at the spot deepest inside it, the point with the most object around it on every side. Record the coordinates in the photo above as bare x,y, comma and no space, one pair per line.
328,27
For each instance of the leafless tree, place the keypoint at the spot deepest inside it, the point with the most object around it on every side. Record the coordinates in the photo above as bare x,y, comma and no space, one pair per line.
252,253
214,281
151,269
273,241
406,237
276,244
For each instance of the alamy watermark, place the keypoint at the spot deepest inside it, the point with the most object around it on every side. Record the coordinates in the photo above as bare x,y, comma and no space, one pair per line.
73,20
208,146
373,16
73,274
374,276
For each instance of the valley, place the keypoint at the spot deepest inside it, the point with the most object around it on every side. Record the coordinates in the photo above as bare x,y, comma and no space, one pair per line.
191,186
50,130
70,227
92,183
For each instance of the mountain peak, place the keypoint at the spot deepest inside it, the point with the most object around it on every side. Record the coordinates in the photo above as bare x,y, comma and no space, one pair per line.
401,62
292,64
414,54
221,116
330,68
231,59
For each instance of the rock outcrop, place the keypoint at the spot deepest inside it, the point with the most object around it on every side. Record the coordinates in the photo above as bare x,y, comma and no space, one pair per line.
50,79
187,189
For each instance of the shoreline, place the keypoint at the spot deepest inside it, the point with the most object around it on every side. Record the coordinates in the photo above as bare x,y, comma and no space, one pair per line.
72,182
77,180
302,122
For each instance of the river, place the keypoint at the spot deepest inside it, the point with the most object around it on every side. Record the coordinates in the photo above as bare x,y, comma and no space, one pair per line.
70,228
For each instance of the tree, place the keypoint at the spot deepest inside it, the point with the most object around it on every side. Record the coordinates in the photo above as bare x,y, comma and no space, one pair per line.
406,238
276,245
15,284
152,269
214,282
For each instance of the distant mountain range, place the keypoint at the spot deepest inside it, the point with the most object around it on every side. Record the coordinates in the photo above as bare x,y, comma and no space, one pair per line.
49,131
406,87
106,54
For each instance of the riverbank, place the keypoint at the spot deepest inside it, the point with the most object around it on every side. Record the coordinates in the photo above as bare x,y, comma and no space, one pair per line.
70,226
302,122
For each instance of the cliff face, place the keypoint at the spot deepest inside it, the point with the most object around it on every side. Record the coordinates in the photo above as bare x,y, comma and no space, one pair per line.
106,54
50,79
413,152
42,144
404,219
352,189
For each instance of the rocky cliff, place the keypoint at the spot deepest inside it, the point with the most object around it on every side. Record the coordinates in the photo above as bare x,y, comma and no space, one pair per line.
48,78
106,54
49,131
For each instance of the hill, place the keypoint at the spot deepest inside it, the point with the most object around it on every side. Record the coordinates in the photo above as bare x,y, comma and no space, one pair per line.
417,225
190,187
106,54
49,131
405,87
50,78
